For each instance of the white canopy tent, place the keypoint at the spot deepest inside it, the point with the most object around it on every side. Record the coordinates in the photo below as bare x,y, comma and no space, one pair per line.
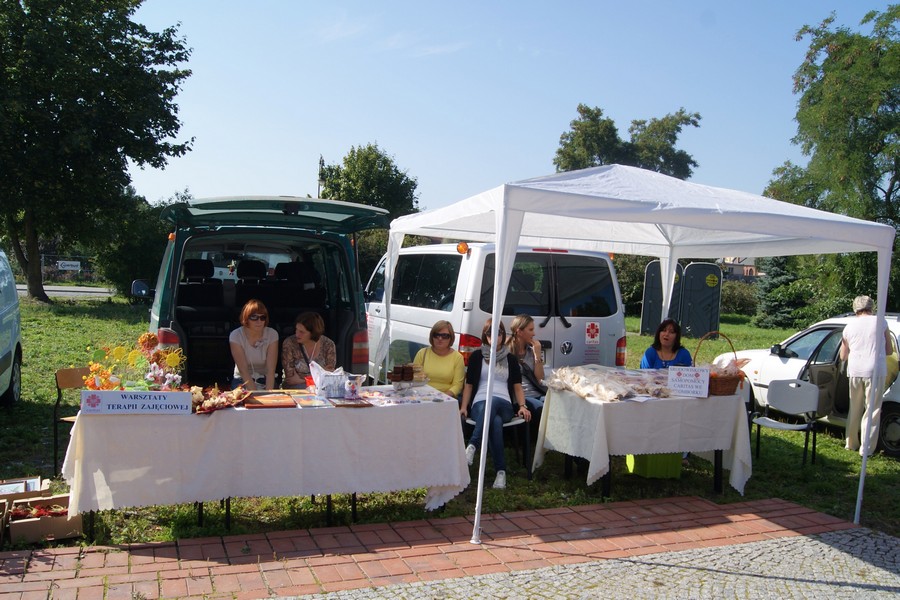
627,210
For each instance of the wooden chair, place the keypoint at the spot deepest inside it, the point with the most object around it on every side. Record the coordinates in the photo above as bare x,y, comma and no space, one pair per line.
66,379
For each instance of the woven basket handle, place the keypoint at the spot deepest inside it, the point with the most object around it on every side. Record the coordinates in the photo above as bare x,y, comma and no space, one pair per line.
710,334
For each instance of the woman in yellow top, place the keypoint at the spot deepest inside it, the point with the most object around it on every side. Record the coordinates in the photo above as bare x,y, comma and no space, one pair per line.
443,365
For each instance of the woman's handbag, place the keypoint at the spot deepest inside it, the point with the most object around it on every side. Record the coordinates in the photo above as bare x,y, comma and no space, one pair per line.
532,378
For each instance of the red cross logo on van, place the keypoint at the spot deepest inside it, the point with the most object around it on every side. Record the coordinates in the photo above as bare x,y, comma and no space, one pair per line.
591,333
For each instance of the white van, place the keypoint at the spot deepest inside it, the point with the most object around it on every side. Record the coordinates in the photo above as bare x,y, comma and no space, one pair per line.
572,295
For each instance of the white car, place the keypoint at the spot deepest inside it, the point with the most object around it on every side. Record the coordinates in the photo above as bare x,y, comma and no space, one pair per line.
813,355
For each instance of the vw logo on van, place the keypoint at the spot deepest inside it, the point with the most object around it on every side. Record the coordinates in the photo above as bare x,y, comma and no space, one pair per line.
566,348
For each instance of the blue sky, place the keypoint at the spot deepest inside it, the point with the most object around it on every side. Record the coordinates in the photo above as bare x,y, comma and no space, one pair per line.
466,96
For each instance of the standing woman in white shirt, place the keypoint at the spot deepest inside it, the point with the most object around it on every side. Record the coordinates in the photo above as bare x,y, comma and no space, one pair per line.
859,347
254,348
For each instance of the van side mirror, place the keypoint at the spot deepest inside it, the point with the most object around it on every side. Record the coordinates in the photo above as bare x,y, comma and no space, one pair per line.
777,350
140,289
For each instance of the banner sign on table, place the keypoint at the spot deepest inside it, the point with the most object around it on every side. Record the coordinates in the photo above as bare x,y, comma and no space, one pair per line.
131,402
689,381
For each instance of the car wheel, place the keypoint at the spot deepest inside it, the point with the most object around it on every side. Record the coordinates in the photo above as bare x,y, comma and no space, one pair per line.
889,429
14,391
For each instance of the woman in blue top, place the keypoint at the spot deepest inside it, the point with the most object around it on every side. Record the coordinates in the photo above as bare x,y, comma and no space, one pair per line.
666,350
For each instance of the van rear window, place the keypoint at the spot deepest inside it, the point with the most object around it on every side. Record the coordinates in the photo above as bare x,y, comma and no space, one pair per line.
583,286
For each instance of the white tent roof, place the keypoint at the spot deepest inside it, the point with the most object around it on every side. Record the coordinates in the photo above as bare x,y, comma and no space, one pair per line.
632,211
628,210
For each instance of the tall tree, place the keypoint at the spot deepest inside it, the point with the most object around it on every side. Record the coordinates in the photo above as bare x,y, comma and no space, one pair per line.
83,91
594,141
370,176
848,124
137,241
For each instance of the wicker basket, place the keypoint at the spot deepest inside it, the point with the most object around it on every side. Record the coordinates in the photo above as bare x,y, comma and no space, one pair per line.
722,385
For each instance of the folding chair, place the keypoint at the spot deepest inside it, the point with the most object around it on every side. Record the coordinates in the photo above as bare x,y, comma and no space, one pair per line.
795,398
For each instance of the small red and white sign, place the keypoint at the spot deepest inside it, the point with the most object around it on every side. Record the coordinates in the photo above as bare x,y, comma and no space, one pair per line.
592,333
689,381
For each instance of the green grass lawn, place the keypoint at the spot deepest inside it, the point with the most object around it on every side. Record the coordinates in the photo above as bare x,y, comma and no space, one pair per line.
58,336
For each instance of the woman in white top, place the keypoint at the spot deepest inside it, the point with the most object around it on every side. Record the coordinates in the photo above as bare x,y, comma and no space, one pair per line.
254,348
506,391
859,347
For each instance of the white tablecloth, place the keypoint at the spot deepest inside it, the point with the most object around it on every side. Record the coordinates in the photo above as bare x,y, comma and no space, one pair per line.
116,461
594,431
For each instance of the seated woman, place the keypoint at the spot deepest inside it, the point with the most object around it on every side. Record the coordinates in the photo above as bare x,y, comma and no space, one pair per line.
506,390
254,348
308,344
527,351
444,366
666,350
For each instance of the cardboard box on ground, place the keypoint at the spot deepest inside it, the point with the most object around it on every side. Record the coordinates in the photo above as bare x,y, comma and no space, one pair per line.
39,529
33,489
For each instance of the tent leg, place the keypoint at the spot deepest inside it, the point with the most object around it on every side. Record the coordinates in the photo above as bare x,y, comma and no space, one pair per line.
718,484
606,484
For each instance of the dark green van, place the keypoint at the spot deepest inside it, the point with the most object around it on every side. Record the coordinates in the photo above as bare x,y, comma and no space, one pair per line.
293,254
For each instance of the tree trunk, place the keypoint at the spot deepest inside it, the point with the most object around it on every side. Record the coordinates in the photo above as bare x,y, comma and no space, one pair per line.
30,259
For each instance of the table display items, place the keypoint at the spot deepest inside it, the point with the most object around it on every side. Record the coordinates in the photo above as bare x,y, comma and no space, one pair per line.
145,378
208,400
384,395
269,399
334,384
600,384
144,366
407,376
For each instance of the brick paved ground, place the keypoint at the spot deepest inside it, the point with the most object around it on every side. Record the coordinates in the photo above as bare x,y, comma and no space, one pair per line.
290,563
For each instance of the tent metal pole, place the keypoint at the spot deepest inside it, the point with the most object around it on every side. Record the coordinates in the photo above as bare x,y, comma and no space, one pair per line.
880,374
485,426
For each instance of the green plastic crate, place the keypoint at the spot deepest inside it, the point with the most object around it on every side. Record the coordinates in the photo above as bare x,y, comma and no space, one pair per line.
658,466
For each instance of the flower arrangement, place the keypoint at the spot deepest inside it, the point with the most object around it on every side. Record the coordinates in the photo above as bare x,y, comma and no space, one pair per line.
143,367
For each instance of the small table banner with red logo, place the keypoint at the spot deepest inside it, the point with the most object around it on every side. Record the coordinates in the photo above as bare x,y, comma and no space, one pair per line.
130,402
689,381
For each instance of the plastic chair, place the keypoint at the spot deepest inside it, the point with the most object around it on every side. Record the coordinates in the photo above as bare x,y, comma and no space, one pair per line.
516,422
66,379
795,398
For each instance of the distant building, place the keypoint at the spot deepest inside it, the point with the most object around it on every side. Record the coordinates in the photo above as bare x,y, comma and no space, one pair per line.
740,269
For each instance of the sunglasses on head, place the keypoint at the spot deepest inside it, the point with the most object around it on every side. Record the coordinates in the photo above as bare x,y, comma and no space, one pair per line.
443,336
257,317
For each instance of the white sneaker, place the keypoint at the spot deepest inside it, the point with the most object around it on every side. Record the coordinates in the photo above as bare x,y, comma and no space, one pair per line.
500,480
470,454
